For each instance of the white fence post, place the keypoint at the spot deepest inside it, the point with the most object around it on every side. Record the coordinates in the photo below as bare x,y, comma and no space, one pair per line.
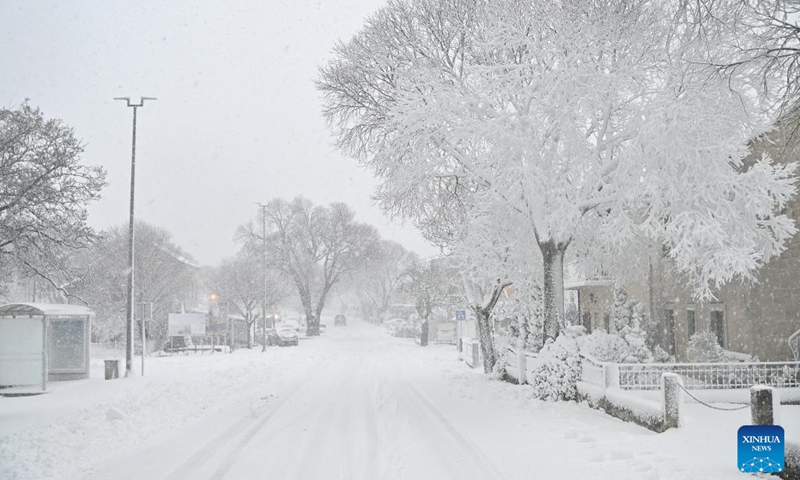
672,399
611,375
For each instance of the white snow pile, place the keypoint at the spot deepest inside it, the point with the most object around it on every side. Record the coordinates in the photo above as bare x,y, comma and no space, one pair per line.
555,372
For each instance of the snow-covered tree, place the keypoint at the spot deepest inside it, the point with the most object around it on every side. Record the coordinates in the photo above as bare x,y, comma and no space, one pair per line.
165,275
430,286
377,283
766,53
239,281
583,122
44,192
314,246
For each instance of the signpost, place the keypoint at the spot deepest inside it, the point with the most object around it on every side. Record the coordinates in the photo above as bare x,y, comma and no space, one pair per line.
144,312
185,324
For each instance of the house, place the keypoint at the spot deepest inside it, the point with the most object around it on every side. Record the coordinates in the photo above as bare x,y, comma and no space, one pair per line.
755,319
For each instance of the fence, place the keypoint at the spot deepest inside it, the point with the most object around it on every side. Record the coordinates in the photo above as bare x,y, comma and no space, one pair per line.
512,369
705,376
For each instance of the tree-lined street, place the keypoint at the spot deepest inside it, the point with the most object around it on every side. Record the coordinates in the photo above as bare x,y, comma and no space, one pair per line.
354,403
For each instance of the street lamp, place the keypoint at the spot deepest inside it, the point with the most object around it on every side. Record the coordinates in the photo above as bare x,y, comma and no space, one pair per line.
129,326
264,304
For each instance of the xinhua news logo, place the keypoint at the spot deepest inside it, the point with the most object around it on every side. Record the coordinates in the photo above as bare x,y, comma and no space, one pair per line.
760,449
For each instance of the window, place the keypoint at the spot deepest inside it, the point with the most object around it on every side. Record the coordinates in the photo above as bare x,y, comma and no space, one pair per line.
691,323
66,347
669,333
718,326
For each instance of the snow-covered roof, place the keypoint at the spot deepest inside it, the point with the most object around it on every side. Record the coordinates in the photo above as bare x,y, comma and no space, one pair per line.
43,309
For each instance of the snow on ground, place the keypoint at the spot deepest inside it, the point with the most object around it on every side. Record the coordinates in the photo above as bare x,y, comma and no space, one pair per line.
354,403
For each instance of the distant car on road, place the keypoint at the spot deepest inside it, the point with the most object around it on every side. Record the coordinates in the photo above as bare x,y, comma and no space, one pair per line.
339,320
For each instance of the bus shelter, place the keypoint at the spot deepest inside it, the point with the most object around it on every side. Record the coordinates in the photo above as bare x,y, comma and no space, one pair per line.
43,342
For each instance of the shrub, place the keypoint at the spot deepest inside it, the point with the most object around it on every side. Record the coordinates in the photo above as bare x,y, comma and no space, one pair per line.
630,348
703,348
555,372
661,356
400,327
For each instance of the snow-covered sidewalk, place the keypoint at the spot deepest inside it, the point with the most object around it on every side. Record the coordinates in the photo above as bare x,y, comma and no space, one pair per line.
354,403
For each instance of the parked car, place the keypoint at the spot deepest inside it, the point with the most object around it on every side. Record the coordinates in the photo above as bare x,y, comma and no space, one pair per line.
272,336
291,323
339,320
283,336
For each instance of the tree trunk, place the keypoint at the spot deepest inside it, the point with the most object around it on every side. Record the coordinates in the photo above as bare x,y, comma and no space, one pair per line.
553,262
487,343
312,323
250,333
521,359
309,311
423,336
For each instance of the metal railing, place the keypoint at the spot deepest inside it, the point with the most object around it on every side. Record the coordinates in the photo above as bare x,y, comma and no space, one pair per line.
700,376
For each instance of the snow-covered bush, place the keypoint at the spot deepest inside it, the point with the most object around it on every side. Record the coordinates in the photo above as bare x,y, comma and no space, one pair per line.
400,327
661,356
555,372
504,358
604,347
703,348
614,348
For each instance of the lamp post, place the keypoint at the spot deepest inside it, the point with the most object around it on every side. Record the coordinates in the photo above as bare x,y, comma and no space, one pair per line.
264,304
129,327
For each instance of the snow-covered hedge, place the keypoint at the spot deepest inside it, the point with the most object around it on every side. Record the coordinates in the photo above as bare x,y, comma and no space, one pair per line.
791,461
400,327
615,348
703,348
622,405
556,371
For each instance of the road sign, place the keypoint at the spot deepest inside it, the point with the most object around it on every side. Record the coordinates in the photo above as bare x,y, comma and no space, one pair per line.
461,314
144,311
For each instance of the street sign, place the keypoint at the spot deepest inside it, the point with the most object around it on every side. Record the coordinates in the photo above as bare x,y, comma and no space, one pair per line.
180,324
461,314
144,310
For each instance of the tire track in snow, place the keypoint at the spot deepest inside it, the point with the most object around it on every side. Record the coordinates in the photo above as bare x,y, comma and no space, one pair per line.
243,430
470,461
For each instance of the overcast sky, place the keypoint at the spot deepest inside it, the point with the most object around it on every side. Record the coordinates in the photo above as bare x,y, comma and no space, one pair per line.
237,120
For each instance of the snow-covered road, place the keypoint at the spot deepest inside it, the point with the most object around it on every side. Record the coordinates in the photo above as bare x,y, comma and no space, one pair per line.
355,412
352,404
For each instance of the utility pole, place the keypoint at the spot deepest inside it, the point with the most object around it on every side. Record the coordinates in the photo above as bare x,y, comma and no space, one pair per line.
129,331
264,303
